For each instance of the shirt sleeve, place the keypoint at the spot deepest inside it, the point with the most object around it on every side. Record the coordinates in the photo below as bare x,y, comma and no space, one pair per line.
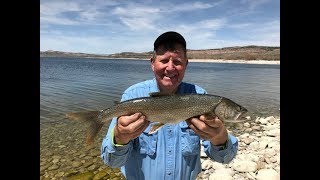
112,154
219,154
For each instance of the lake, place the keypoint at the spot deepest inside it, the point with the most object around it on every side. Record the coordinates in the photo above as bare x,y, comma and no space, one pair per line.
75,84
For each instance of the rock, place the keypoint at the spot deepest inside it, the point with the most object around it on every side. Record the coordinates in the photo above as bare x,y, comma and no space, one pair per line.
82,176
100,175
217,176
207,164
268,174
76,164
245,166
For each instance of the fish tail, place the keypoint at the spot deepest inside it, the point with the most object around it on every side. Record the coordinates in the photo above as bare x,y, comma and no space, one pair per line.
92,131
90,117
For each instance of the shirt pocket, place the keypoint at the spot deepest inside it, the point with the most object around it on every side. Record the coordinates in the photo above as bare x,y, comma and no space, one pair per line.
147,142
190,141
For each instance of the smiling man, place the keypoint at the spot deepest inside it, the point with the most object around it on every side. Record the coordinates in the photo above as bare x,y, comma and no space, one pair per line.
169,63
173,152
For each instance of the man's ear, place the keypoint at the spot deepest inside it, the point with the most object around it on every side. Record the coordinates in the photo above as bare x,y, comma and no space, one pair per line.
152,61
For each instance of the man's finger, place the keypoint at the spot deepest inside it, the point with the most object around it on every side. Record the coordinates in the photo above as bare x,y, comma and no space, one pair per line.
215,123
140,129
134,126
126,120
208,116
202,134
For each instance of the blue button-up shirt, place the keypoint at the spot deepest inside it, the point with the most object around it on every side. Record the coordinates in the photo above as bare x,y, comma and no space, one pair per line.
173,152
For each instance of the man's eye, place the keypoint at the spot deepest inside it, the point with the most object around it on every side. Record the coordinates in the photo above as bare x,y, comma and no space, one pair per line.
177,62
164,61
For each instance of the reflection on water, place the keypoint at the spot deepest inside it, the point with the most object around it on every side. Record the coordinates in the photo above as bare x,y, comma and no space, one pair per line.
68,84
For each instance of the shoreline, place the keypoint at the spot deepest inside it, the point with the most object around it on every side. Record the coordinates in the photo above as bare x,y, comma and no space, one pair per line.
235,61
210,60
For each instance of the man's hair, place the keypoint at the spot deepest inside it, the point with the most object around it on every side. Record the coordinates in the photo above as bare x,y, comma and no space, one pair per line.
169,46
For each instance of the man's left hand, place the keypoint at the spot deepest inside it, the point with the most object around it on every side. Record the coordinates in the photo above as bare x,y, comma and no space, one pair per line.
210,128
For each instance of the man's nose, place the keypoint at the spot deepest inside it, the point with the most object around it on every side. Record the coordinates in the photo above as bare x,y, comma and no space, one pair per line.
170,65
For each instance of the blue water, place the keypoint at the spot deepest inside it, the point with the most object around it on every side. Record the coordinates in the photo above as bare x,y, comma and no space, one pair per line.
73,84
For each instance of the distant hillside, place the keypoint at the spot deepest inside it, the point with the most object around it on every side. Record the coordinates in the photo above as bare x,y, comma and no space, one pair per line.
228,53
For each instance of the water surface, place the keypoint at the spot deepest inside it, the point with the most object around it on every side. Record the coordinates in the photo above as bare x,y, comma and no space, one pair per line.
73,84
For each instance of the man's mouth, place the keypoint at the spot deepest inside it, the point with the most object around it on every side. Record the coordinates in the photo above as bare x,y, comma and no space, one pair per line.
169,76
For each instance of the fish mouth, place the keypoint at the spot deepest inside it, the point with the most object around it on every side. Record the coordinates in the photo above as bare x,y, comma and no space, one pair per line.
238,118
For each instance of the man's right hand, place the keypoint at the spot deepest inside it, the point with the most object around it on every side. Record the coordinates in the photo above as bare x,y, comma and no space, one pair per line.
129,127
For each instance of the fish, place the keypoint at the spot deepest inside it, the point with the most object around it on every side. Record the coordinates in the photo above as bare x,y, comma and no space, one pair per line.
163,109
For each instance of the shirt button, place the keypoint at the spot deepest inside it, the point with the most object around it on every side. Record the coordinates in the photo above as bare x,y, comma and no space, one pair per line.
169,173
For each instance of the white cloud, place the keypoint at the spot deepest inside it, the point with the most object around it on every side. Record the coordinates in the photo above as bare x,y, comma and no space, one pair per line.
115,26
212,24
58,7
134,11
190,6
252,4
137,23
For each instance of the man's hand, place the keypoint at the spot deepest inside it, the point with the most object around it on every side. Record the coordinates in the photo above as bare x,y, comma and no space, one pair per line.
209,128
129,127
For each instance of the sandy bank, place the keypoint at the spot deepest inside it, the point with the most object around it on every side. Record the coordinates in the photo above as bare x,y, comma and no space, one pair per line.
235,61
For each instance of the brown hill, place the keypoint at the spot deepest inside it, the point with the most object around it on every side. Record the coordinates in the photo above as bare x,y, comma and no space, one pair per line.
228,53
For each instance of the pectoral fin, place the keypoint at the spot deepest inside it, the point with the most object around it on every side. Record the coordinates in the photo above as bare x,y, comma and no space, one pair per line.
155,128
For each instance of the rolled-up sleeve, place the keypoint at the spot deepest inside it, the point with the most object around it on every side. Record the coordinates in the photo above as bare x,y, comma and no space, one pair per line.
222,155
115,155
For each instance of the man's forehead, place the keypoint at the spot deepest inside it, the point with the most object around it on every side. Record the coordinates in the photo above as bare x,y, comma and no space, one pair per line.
176,48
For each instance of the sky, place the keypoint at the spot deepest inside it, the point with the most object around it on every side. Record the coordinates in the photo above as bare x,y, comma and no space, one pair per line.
114,26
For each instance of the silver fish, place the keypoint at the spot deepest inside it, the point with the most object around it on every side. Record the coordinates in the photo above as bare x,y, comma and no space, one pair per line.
163,109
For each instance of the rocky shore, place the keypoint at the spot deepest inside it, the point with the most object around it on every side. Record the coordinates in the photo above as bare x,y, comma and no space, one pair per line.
258,155
64,155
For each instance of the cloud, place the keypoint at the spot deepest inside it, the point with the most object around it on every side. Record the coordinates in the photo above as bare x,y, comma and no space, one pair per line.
192,6
252,4
135,11
115,26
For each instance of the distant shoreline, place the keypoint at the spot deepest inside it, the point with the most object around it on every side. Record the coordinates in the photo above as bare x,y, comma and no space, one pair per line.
235,61
210,60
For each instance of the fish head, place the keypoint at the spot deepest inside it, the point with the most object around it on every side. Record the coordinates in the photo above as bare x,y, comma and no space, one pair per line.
229,111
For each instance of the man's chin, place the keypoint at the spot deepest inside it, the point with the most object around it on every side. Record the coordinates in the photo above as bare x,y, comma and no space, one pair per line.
168,82
168,86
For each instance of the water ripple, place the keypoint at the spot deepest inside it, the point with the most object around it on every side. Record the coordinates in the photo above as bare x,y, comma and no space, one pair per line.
77,84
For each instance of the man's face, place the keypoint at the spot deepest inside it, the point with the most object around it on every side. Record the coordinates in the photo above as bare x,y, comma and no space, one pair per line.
169,68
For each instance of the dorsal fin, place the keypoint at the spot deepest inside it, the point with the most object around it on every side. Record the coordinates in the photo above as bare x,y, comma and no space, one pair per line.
157,94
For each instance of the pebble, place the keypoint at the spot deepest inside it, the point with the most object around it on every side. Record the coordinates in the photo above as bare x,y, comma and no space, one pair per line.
258,156
67,156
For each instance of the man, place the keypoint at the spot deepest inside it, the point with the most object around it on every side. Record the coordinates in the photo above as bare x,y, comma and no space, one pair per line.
173,152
